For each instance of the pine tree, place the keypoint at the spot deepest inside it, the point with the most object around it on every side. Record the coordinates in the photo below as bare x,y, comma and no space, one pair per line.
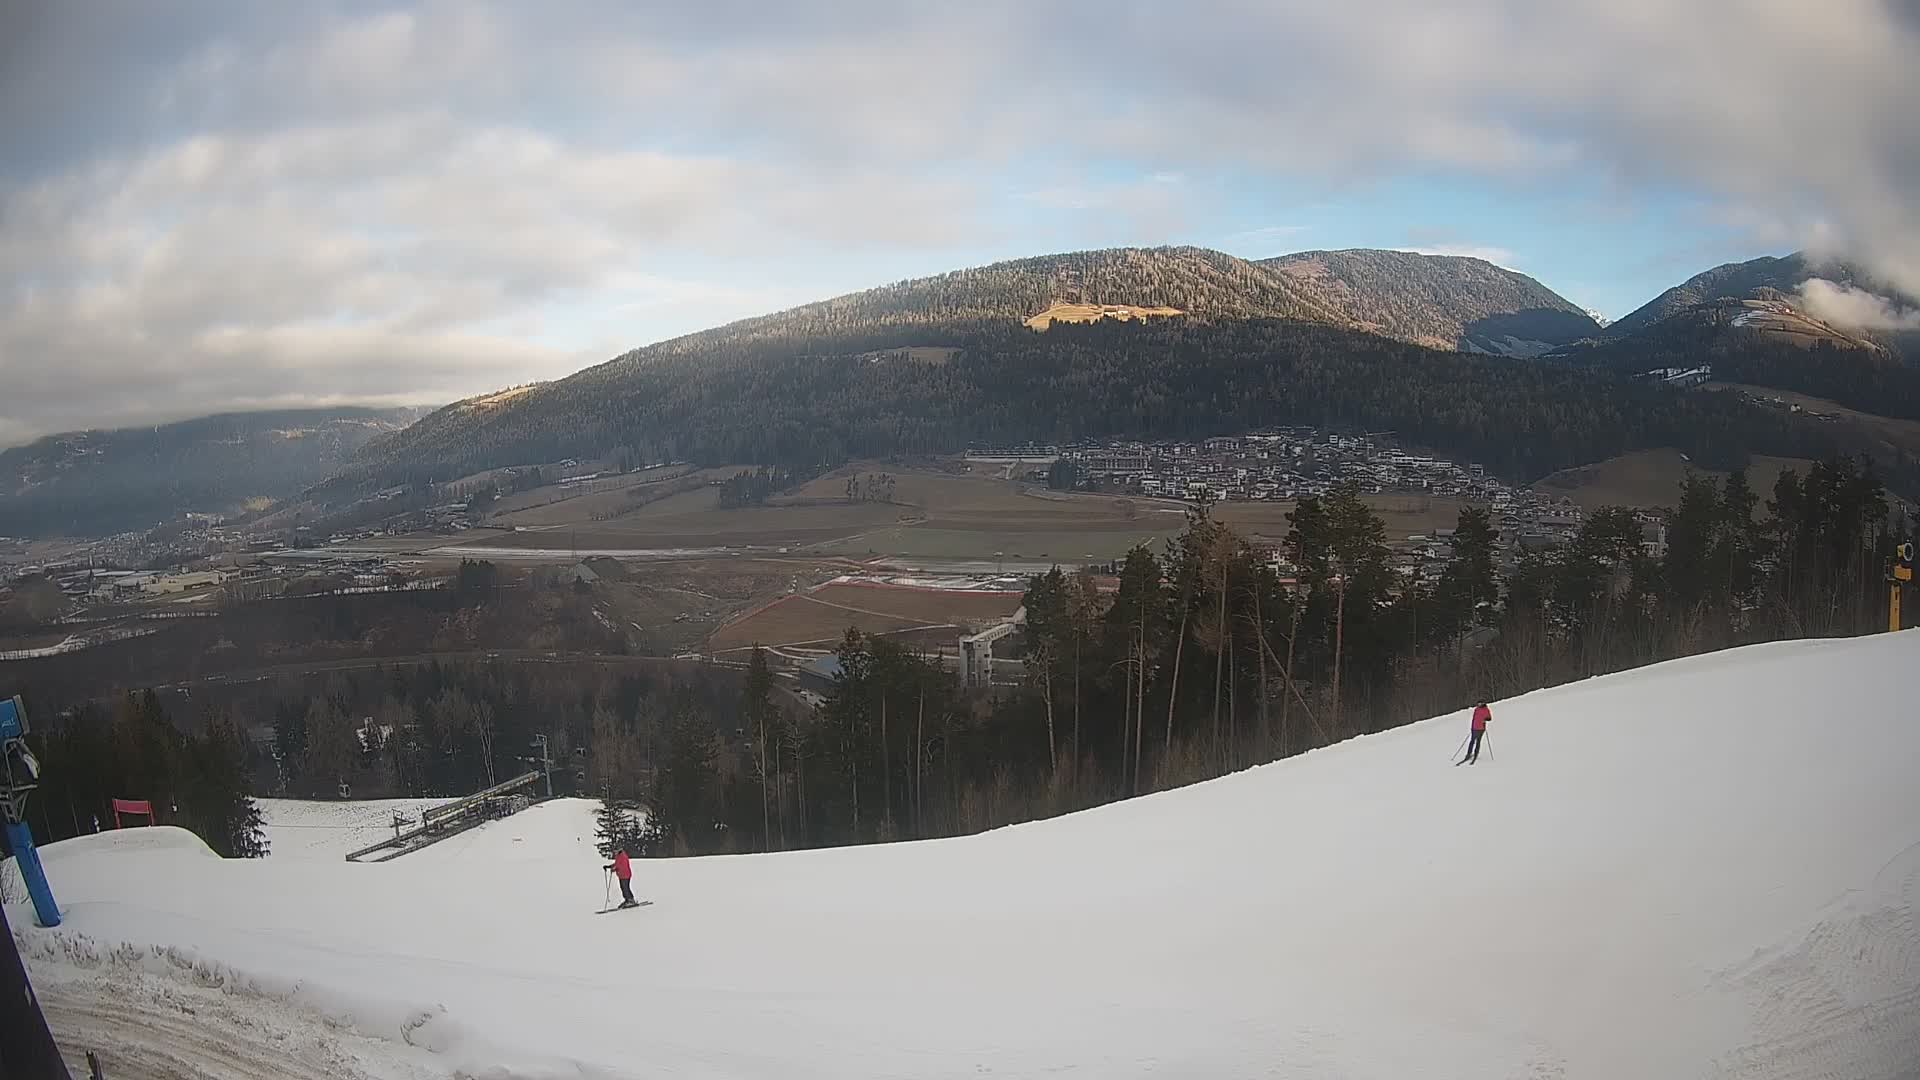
332,751
1687,582
219,800
756,708
1469,589
686,793
1739,546
616,826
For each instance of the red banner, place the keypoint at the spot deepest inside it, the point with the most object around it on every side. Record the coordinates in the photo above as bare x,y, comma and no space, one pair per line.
131,806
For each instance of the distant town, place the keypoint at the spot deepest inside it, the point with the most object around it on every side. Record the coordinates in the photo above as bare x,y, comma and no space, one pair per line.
1286,464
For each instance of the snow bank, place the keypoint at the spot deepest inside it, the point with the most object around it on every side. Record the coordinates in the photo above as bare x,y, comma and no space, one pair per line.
1705,868
161,838
167,839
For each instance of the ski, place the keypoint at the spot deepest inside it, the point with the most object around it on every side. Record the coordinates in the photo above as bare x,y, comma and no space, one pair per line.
623,907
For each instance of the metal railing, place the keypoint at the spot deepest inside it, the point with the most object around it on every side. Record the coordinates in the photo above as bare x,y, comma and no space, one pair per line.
447,819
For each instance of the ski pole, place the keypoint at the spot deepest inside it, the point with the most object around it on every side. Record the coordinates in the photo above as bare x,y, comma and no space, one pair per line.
1486,737
1456,750
606,887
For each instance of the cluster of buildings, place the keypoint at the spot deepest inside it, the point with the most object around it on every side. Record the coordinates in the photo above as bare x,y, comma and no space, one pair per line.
194,537
1679,378
1282,465
137,584
82,581
1287,464
281,573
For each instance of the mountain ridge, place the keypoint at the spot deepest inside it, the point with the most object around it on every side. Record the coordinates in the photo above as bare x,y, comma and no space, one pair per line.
1785,280
1199,282
117,479
1441,301
943,313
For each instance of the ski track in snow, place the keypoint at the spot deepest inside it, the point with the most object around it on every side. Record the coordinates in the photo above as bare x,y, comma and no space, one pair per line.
1847,991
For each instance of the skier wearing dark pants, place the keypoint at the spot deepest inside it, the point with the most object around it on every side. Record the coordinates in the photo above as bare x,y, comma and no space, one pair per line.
623,869
1481,715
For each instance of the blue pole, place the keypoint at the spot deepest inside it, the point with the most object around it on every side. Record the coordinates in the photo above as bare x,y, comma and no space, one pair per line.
20,839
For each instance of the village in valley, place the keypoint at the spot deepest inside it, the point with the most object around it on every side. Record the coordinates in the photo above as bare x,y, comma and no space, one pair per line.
1288,464
662,561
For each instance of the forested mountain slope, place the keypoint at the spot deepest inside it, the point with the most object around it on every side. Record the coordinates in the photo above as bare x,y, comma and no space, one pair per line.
90,482
829,397
1194,281
1440,301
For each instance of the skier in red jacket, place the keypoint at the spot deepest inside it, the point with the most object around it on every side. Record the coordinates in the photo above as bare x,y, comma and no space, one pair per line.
622,868
1481,716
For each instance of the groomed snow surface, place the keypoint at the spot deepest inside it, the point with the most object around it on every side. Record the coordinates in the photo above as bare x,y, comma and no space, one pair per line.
1709,868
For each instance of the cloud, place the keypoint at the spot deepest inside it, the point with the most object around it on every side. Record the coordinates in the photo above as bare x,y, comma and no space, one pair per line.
227,271
226,202
1854,308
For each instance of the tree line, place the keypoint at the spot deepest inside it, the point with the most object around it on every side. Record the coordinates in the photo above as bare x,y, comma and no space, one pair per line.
752,487
196,776
1214,654
414,730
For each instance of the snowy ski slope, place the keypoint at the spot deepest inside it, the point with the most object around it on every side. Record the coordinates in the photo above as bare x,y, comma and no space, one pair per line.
1709,868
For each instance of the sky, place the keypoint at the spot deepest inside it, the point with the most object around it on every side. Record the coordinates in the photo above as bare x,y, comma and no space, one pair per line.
209,206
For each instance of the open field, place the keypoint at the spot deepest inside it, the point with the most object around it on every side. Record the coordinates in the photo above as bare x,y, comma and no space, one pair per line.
1649,478
671,606
802,620
971,515
984,511
823,614
561,503
1892,434
1060,311
1006,547
920,605
488,402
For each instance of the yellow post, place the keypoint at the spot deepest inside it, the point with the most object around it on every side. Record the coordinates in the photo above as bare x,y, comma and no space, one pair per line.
1902,573
1899,574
